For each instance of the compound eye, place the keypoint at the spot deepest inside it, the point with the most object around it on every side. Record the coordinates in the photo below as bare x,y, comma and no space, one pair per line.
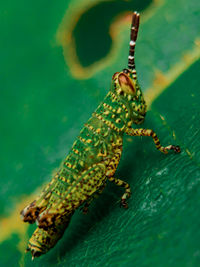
126,84
126,71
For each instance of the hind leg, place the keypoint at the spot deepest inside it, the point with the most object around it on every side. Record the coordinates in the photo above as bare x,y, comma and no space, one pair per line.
125,185
96,195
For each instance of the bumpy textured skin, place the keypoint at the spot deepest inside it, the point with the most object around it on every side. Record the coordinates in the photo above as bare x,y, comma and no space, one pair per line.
93,158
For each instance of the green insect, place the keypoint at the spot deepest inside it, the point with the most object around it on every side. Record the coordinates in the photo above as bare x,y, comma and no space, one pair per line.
93,158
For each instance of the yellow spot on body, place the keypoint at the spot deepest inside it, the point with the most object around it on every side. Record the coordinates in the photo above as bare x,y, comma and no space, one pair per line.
129,123
68,164
129,97
102,155
119,110
73,190
119,91
63,179
75,151
82,139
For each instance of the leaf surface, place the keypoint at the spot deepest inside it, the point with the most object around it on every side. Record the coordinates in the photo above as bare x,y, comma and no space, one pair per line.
46,98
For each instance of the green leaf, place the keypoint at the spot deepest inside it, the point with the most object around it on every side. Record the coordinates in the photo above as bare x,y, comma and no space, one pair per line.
47,96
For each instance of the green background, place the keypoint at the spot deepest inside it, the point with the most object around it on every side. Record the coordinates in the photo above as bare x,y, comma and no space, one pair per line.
43,107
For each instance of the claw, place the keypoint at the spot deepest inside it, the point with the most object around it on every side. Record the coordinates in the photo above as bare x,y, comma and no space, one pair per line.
124,204
85,210
177,149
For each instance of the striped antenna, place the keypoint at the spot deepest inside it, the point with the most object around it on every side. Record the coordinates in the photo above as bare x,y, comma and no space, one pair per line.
133,38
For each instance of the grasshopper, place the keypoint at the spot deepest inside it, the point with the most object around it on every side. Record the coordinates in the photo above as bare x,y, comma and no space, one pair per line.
93,158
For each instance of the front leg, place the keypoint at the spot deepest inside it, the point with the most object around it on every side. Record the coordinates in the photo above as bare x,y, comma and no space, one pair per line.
149,132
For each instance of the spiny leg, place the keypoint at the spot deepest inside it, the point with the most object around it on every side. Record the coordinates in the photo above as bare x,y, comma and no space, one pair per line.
149,132
96,195
125,185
